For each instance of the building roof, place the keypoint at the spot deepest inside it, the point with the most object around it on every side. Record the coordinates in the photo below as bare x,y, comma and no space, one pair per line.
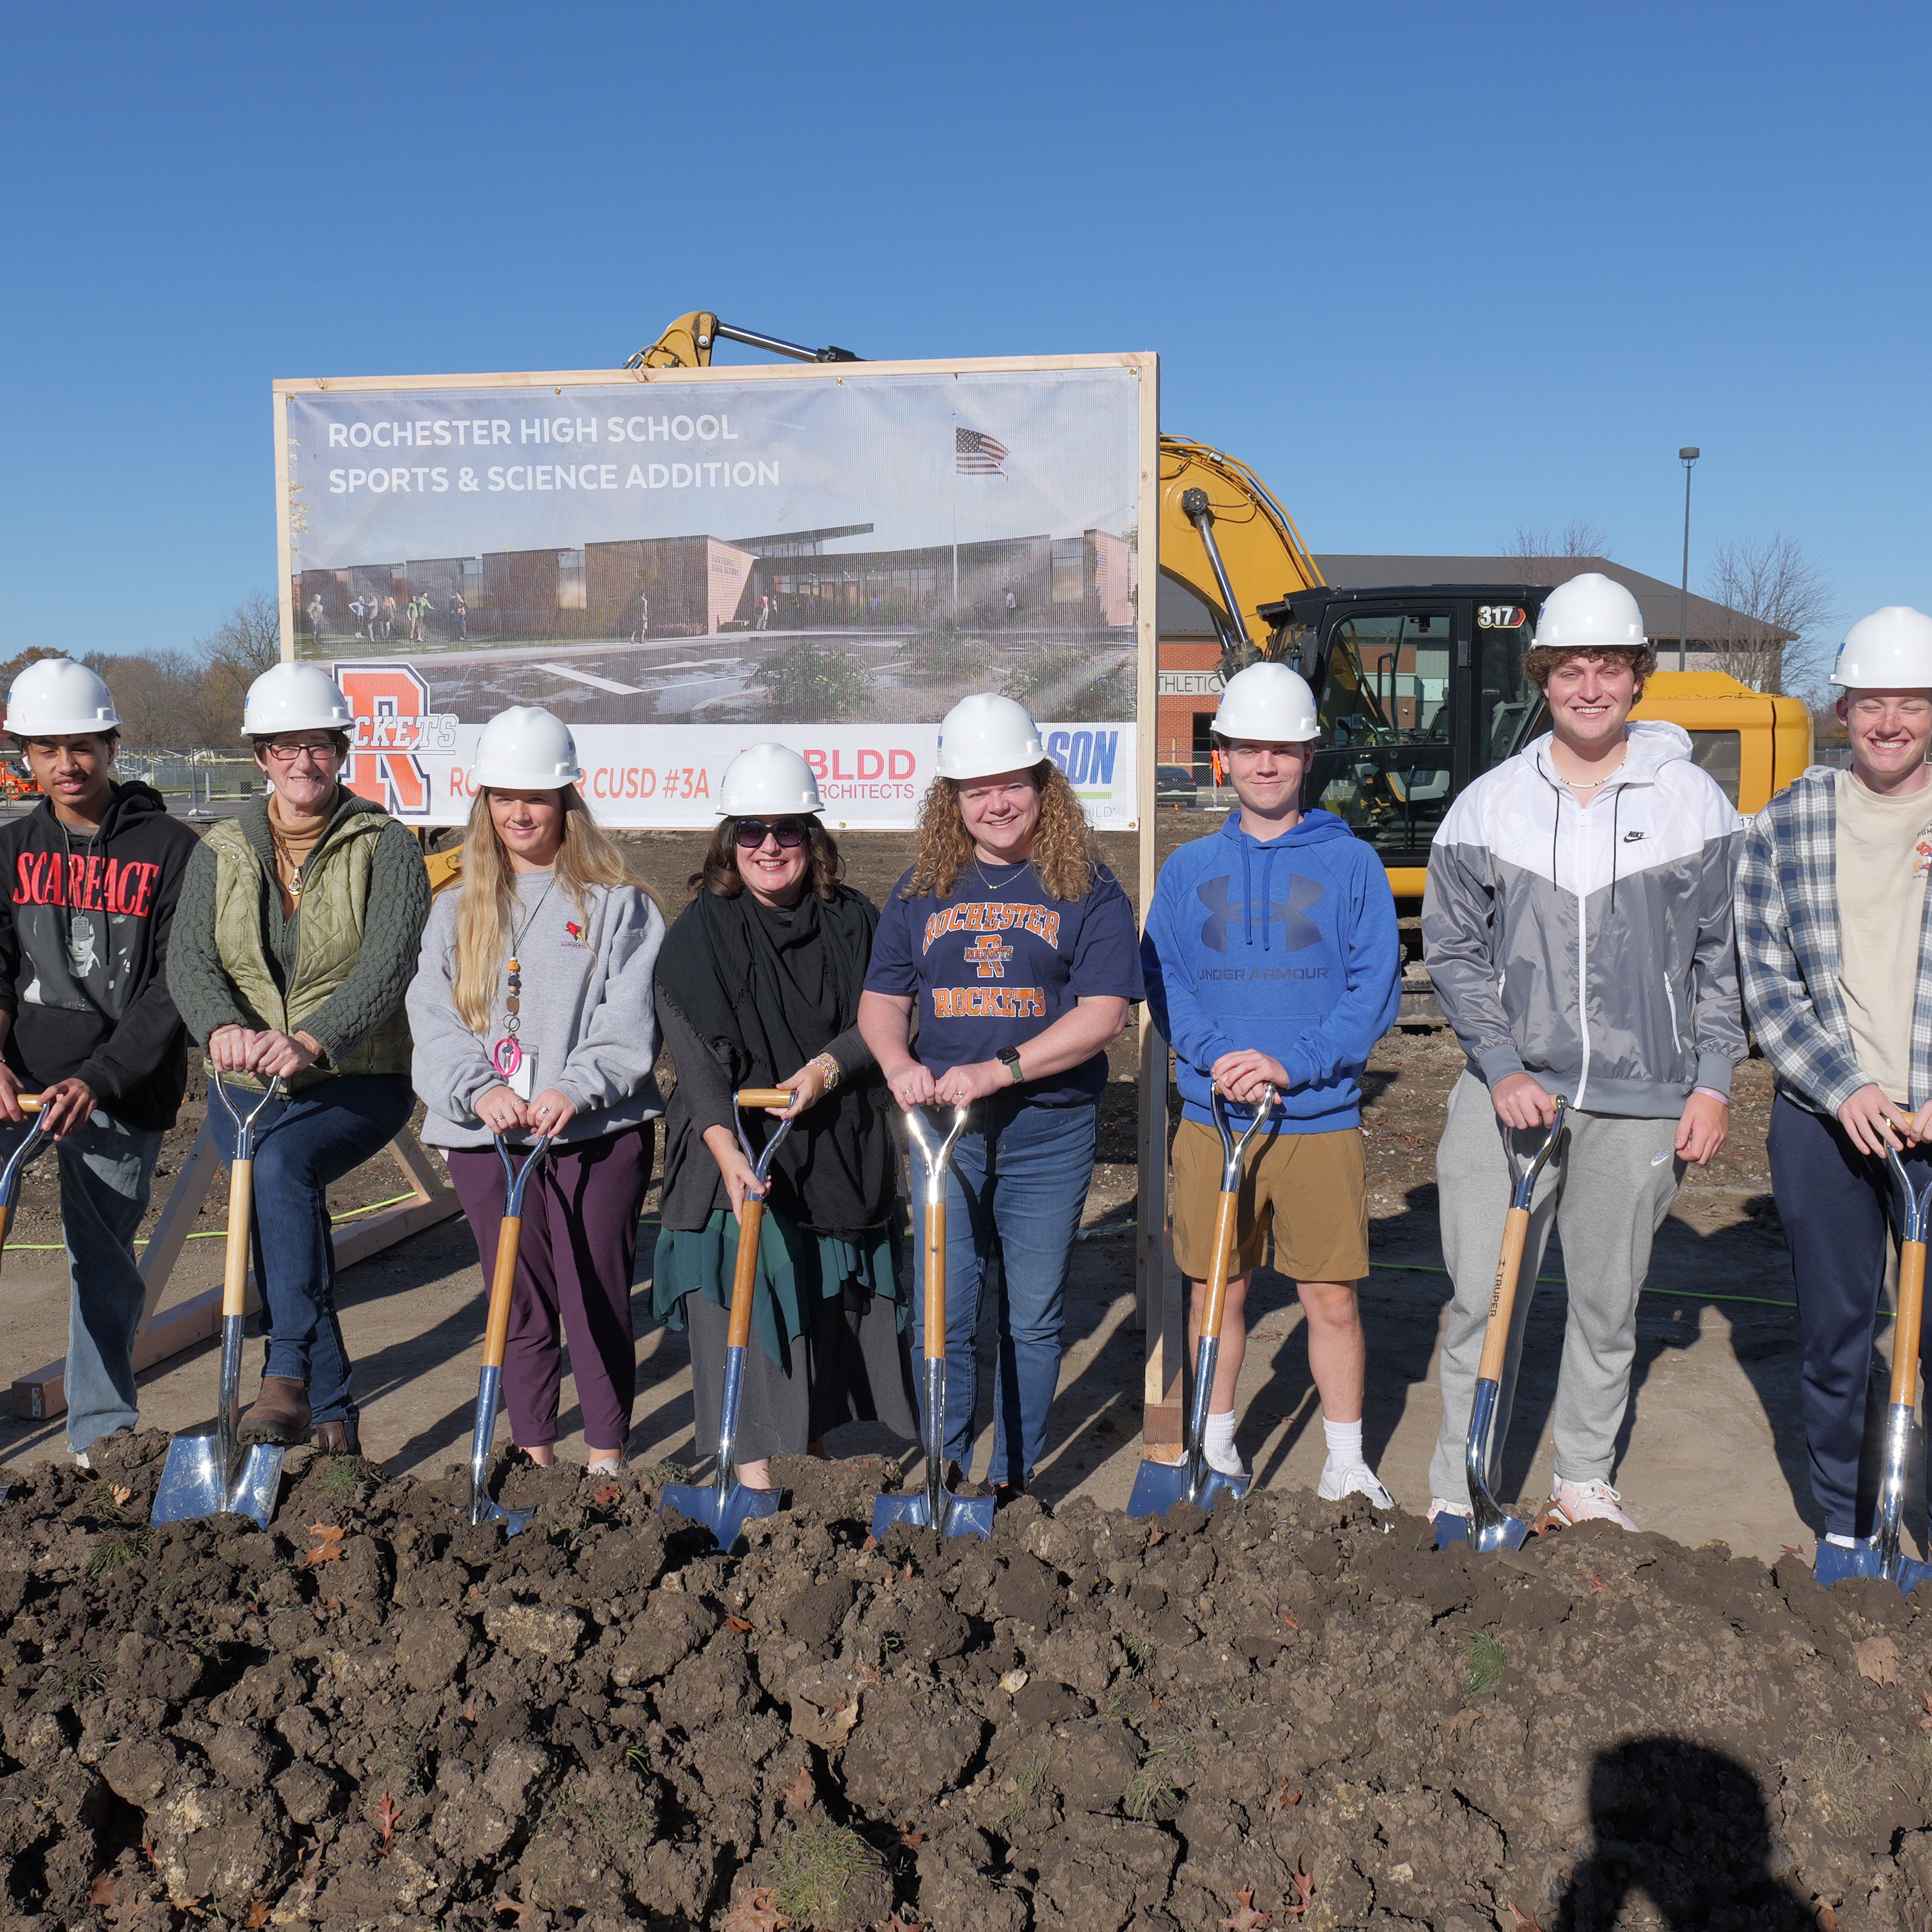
1182,614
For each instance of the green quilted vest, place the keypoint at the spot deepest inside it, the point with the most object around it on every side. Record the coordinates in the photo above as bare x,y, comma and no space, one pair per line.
335,890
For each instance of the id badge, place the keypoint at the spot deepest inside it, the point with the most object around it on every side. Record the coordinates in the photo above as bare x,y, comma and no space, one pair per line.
523,1079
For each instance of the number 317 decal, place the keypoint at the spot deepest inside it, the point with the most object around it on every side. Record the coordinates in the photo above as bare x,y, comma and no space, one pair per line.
1499,617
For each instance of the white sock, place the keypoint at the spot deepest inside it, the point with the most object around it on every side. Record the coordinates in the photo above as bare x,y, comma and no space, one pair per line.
1220,1439
1344,1443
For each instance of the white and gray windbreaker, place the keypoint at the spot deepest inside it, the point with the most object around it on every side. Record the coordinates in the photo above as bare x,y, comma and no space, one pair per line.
1592,949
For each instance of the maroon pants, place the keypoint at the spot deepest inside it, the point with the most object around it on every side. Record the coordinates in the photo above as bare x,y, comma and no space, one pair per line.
574,1262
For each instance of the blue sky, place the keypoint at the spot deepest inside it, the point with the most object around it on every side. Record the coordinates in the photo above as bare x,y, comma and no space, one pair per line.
1434,272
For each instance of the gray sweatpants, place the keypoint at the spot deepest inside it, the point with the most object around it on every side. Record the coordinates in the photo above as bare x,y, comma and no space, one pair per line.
1608,1192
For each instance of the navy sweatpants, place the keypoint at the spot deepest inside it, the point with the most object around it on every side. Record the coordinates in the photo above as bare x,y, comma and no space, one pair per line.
1839,1208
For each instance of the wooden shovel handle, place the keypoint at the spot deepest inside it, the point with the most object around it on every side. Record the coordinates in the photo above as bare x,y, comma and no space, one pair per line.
1502,1297
1911,1316
503,1284
1227,1210
235,1271
764,1096
933,1263
744,1277
28,1103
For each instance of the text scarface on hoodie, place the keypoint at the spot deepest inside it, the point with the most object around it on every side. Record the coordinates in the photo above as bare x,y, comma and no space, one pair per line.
1289,945
84,924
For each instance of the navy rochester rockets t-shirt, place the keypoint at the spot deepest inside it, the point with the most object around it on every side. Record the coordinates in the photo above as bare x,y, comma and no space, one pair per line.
997,960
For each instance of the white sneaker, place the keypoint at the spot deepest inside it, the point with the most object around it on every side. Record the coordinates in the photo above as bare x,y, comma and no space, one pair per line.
80,1461
1225,1462
1357,1480
1588,1502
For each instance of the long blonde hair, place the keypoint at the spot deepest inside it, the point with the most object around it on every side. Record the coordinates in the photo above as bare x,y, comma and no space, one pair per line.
483,919
1065,855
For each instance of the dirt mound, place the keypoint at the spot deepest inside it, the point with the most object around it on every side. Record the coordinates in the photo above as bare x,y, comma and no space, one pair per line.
373,1715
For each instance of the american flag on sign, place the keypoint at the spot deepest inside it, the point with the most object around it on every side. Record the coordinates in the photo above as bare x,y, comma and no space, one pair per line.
979,454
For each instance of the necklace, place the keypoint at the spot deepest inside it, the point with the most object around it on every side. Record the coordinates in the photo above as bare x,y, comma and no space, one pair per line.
1593,784
285,859
80,953
518,1068
1019,865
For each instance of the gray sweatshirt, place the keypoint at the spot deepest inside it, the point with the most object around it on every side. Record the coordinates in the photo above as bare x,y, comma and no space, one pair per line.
587,1011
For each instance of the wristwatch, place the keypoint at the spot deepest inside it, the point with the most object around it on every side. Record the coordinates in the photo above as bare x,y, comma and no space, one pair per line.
1009,1057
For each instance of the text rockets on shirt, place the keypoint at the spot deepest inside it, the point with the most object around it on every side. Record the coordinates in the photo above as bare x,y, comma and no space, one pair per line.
997,916
87,884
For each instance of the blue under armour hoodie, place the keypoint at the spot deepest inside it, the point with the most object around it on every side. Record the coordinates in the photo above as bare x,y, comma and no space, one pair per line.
1289,945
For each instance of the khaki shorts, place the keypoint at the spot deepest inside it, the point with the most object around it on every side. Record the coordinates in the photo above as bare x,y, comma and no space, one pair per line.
1312,1189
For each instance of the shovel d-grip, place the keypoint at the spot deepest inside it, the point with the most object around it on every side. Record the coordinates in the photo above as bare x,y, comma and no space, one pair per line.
1491,1527
35,1138
724,1505
496,1335
1885,1556
208,1475
1159,1485
936,1507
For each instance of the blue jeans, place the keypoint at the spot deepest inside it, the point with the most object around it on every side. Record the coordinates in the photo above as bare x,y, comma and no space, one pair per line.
106,1170
301,1143
1020,1176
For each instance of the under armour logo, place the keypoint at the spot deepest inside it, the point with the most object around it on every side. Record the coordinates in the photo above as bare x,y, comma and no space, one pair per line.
990,956
1299,930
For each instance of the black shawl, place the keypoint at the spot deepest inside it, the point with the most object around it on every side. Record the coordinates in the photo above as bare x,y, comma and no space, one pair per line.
763,997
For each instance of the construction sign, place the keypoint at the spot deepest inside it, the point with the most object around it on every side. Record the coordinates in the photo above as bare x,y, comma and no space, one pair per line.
681,563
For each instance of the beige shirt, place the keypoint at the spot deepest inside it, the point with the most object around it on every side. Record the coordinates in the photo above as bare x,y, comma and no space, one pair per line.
1884,854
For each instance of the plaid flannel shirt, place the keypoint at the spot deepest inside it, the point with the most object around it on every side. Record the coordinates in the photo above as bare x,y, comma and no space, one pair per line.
1788,956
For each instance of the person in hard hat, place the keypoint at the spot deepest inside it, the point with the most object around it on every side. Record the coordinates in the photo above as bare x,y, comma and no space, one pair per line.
295,942
758,986
1018,947
1272,959
1577,926
532,1013
94,872
1834,943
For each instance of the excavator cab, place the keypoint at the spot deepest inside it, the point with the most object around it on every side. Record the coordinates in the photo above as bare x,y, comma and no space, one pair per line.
1419,689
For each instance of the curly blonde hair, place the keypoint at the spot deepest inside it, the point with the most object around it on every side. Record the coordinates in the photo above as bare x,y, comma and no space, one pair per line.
1065,855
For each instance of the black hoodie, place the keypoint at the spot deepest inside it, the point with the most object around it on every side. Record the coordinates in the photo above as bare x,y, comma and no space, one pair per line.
84,924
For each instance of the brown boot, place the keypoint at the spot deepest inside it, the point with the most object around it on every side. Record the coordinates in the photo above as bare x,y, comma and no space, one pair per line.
281,1413
338,1439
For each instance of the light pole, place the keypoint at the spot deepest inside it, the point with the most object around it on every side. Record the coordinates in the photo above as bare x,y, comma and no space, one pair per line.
1687,456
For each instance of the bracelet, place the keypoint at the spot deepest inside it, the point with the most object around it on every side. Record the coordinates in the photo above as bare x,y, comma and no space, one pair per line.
830,1068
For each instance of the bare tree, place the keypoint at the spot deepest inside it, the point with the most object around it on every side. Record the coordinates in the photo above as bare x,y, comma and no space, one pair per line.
1535,548
244,644
1774,598
163,698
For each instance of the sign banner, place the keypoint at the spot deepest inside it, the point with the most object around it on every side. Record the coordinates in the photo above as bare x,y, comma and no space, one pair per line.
681,563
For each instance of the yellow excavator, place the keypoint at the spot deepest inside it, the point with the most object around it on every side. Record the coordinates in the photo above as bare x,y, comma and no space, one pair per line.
1419,687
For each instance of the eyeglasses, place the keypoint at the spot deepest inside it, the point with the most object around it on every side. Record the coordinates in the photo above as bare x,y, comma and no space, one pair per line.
752,833
289,754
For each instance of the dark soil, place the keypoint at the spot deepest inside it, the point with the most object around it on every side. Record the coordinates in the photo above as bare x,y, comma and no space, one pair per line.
373,1715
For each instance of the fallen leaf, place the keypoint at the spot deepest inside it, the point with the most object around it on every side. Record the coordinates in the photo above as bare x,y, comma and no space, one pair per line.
1827,1915
1791,1549
755,1912
801,1793
386,1815
870,1542
1461,1718
1304,1890
100,1893
256,1915
123,1496
896,1924
1549,1519
1877,1658
515,1907
1524,1923
737,1623
1245,1917
609,1493
1289,1621
908,1837
1595,1581
326,1547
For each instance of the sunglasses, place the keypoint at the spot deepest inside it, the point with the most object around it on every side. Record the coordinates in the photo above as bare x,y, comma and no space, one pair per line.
752,833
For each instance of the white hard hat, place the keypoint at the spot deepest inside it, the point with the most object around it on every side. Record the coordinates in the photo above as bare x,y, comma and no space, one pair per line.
1269,702
55,697
295,697
1891,650
525,748
767,778
1590,612
984,734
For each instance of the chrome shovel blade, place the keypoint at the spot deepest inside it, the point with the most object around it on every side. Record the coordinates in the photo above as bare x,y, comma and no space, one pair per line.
195,1482
514,1521
1834,1563
722,1509
1159,1485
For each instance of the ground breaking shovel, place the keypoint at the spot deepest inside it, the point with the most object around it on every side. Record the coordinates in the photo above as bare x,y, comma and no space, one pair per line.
495,1339
1885,1558
206,1475
936,1507
35,1139
1491,1527
1159,1485
724,1505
